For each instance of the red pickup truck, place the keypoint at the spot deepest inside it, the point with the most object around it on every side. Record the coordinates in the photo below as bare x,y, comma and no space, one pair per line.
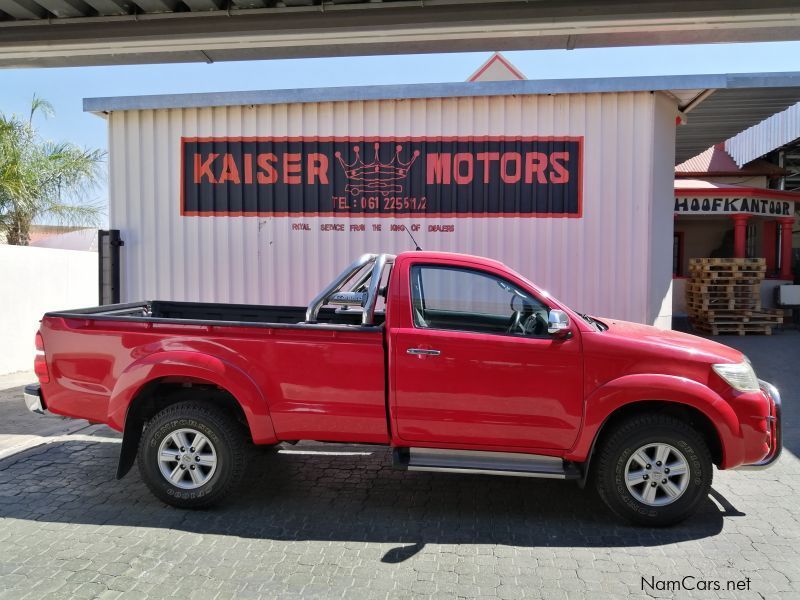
456,362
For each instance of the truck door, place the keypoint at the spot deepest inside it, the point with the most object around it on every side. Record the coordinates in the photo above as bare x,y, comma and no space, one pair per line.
477,366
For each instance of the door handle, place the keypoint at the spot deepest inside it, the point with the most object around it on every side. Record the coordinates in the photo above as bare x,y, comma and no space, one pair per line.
423,352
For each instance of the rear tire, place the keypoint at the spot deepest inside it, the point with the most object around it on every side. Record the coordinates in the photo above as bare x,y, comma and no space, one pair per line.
653,470
191,455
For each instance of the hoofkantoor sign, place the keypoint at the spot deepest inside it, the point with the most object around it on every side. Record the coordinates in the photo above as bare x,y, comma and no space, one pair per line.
688,205
490,176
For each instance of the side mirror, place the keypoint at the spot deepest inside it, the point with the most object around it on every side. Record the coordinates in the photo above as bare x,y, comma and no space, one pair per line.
557,322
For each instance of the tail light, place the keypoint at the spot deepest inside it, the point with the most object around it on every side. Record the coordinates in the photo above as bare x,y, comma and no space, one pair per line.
39,362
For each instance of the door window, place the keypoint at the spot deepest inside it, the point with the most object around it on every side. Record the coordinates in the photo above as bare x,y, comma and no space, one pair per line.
470,300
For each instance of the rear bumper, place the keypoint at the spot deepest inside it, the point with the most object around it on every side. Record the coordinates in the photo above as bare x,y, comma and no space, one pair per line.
775,425
33,398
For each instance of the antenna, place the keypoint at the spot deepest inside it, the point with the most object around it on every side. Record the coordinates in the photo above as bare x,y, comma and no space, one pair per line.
408,231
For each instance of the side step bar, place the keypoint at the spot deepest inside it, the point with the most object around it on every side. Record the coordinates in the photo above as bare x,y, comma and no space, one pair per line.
484,463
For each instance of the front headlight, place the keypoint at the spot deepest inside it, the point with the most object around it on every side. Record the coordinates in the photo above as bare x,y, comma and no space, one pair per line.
740,376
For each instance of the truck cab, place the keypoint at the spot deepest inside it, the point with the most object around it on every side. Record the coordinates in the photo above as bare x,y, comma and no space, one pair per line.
456,362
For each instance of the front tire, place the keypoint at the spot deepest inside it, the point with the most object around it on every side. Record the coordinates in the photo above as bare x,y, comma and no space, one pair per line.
653,470
191,455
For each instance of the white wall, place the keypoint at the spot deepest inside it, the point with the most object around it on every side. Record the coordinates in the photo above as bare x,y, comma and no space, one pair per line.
615,261
32,282
702,235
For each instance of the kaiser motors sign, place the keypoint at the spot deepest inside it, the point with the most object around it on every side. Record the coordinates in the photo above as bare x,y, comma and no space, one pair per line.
376,177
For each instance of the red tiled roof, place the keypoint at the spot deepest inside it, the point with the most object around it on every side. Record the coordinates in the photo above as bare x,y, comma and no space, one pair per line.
38,233
716,162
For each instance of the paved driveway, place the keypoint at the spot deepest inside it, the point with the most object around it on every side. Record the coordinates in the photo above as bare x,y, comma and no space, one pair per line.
337,522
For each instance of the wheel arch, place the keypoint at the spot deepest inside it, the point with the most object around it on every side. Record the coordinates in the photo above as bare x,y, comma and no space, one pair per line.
162,379
161,392
683,412
687,399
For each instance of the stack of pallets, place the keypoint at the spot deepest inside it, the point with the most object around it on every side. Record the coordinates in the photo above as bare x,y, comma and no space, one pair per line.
723,296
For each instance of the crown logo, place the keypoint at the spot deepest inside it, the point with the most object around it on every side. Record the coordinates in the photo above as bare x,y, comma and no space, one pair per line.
376,176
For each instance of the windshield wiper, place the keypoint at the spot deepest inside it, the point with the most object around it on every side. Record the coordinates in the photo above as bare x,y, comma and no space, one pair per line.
598,324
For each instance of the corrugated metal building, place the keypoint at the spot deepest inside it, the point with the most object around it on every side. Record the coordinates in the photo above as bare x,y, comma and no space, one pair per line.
263,197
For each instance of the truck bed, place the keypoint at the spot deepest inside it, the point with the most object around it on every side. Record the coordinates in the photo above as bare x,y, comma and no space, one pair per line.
215,313
100,357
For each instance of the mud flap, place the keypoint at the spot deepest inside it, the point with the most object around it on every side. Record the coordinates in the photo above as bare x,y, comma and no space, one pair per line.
130,446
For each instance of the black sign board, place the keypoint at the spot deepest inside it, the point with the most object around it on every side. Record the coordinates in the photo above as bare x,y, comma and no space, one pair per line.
420,177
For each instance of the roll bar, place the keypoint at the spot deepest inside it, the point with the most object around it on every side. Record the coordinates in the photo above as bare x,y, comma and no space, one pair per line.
374,275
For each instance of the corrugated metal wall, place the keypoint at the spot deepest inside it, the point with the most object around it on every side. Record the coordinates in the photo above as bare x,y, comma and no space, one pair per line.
764,137
601,263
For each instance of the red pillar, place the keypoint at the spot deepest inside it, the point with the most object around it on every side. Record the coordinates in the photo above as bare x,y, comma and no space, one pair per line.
786,247
740,235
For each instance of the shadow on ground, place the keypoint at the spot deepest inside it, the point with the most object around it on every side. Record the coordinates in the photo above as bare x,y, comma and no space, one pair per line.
339,498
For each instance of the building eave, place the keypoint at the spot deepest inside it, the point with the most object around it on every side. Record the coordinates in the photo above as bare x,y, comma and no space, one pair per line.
737,192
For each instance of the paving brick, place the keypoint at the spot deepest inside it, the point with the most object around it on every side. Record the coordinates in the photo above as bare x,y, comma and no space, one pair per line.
352,527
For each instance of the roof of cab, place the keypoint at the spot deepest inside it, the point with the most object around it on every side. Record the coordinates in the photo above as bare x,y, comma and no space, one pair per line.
417,255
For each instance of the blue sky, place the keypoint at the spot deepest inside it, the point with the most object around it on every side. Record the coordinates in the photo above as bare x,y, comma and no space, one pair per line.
66,88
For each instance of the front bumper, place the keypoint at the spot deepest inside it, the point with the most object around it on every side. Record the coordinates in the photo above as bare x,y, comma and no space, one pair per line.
774,423
33,398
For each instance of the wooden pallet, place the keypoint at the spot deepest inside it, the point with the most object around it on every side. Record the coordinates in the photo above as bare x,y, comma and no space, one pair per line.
738,328
746,315
731,294
703,280
723,320
725,302
698,285
723,296
717,262
729,303
727,294
732,271
723,293
729,308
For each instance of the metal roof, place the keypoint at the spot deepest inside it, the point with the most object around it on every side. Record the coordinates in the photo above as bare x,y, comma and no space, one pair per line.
716,106
684,87
728,111
105,32
768,135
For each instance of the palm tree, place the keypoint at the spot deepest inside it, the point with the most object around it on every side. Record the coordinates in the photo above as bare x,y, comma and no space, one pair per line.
36,175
